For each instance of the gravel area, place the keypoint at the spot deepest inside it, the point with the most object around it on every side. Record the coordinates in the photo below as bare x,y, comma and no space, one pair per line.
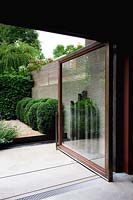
23,129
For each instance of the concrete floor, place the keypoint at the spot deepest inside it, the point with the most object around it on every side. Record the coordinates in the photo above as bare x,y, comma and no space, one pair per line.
41,172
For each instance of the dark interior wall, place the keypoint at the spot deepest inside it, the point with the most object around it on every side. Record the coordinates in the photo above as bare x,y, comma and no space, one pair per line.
124,120
118,130
130,139
96,20
93,22
123,98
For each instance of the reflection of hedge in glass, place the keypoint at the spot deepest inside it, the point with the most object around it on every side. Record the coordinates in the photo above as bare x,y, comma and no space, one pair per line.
84,119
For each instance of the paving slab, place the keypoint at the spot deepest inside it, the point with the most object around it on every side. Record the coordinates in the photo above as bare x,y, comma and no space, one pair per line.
40,167
42,172
30,158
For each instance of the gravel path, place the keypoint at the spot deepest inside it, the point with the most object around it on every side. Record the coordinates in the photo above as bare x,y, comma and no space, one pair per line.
23,129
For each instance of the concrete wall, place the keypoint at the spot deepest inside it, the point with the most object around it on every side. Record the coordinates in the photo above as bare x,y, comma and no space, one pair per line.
45,81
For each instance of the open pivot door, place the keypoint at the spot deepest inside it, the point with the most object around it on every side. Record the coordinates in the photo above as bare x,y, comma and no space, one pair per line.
85,107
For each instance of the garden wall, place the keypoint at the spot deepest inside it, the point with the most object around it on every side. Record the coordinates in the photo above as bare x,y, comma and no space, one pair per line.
46,81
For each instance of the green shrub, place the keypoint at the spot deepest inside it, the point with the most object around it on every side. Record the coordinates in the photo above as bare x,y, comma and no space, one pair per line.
7,133
32,116
12,89
46,117
18,107
24,102
28,106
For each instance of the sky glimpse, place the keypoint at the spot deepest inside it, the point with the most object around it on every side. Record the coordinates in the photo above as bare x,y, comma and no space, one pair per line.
49,41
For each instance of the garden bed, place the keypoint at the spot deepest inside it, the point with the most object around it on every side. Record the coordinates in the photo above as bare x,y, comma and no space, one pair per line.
23,129
25,134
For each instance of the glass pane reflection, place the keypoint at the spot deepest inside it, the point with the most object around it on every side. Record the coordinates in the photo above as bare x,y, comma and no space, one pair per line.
83,97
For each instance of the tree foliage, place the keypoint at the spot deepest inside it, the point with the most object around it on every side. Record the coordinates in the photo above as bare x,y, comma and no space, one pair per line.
62,50
11,34
59,51
14,55
17,47
71,48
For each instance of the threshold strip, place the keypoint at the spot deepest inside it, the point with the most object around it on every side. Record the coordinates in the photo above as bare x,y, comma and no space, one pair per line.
23,173
54,192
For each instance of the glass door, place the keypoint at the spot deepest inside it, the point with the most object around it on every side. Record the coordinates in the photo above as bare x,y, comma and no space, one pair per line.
84,128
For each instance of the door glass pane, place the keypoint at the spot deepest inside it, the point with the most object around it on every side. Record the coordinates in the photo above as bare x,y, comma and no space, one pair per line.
83,98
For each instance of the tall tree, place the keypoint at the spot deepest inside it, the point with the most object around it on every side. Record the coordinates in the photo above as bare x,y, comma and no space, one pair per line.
11,34
17,47
61,50
12,56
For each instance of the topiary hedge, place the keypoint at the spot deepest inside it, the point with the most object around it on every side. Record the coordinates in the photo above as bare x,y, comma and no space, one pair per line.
46,117
28,106
21,106
39,114
12,89
32,116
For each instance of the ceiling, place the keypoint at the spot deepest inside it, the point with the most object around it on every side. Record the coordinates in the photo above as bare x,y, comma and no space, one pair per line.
104,25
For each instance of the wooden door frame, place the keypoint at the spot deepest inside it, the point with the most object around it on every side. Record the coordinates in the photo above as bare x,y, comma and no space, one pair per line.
109,112
128,112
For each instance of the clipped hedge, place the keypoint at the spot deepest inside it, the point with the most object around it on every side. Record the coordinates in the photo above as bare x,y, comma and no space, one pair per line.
39,114
32,116
46,117
28,106
32,113
26,109
21,107
18,107
12,89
